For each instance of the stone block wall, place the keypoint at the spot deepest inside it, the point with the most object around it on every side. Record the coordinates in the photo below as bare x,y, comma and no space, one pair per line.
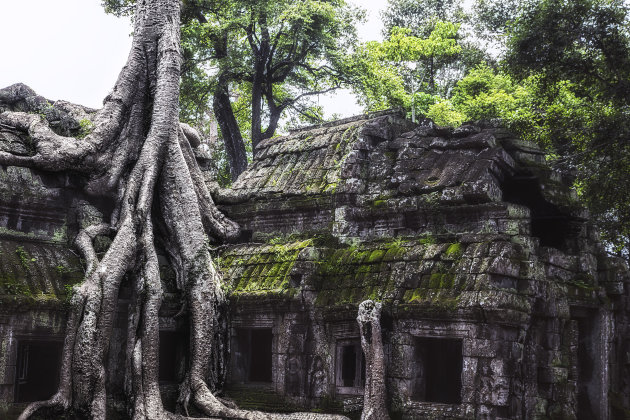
486,265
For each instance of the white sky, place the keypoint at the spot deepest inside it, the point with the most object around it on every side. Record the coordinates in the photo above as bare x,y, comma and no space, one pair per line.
72,50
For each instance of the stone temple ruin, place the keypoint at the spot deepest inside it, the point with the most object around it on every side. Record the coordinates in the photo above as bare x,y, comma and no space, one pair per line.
498,299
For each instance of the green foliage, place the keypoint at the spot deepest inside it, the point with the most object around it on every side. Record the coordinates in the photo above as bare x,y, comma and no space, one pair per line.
564,81
580,119
380,72
25,259
437,73
569,66
377,82
85,127
422,101
483,94
493,18
584,41
119,7
274,53
444,113
403,46
420,15
271,58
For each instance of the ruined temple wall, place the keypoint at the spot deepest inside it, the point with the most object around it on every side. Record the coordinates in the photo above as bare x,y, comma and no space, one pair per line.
490,377
523,293
449,229
278,337
39,213
39,325
620,357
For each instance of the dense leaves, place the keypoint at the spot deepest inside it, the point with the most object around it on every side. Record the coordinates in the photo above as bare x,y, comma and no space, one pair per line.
273,55
564,83
420,16
385,74
560,77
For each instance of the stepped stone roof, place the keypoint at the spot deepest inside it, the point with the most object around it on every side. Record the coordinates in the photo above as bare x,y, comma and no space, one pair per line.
383,169
367,207
428,219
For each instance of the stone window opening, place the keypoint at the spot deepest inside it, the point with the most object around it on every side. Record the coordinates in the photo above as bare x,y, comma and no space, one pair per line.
350,367
254,355
38,368
549,224
437,366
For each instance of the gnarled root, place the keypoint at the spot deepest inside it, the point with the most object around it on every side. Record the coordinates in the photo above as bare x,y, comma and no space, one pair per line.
369,319
157,183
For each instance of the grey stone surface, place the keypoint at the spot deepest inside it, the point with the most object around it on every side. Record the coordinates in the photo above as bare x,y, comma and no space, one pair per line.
464,236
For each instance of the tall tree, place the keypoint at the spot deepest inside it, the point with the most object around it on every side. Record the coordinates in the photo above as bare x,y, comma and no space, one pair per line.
279,53
382,72
422,18
276,53
136,153
587,44
585,41
420,15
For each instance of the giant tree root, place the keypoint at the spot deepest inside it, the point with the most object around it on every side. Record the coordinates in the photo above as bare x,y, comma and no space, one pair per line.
137,154
369,319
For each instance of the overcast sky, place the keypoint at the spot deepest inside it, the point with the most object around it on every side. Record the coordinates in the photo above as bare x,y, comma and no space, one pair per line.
72,50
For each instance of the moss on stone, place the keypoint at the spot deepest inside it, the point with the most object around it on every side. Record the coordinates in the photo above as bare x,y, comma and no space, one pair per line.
262,271
24,258
379,203
376,256
35,271
454,250
427,240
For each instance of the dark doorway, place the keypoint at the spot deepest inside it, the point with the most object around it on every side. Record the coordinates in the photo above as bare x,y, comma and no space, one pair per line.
260,367
587,386
438,367
553,227
171,353
252,355
350,367
38,368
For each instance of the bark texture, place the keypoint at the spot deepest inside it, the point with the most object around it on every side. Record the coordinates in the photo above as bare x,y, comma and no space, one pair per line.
137,153
369,319
230,131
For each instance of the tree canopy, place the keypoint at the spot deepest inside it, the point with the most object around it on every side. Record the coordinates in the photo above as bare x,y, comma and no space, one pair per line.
272,55
561,79
252,63
563,83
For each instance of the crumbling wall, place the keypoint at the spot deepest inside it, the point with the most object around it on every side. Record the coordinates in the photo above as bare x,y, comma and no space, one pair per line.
481,256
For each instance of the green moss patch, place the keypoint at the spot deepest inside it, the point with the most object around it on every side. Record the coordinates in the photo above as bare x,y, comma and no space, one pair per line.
261,270
37,271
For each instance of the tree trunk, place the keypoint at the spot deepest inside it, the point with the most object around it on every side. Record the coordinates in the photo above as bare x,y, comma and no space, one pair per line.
230,131
259,69
261,54
369,319
138,154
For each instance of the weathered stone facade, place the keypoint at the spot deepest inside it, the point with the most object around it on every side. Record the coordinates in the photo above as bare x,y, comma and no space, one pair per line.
498,301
